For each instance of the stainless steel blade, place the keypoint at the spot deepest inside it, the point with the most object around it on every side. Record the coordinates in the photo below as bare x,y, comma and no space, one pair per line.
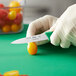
35,38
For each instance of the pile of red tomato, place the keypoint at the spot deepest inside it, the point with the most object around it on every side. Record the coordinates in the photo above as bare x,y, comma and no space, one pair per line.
11,17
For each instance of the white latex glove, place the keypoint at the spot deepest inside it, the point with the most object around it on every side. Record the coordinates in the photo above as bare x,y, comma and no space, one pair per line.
65,29
41,25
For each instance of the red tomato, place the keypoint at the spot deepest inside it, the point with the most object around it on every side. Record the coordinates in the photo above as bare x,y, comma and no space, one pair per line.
3,13
1,6
8,21
18,19
2,23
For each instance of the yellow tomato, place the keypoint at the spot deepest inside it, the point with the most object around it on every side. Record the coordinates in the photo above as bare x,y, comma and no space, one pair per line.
6,28
11,73
12,15
15,28
16,5
20,26
32,48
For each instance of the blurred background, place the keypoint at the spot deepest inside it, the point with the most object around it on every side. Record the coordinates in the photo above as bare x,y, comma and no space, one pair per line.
34,9
38,8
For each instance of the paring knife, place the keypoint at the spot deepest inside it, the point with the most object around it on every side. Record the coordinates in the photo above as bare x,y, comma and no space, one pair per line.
40,37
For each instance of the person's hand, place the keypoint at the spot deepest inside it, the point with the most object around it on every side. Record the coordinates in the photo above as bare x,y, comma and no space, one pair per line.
65,29
41,25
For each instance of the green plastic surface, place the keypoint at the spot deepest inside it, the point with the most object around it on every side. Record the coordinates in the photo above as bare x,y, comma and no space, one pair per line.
49,61
48,34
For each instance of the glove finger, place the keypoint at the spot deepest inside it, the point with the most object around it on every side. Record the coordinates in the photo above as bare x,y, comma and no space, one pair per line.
55,39
65,43
41,25
72,36
38,26
31,30
53,27
74,43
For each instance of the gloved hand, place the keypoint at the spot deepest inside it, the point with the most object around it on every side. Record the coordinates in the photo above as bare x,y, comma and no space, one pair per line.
41,25
65,29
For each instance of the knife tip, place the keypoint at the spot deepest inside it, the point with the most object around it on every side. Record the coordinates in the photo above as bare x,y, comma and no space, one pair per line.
12,43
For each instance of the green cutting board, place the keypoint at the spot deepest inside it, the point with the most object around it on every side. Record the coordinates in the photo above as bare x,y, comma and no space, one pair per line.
49,61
